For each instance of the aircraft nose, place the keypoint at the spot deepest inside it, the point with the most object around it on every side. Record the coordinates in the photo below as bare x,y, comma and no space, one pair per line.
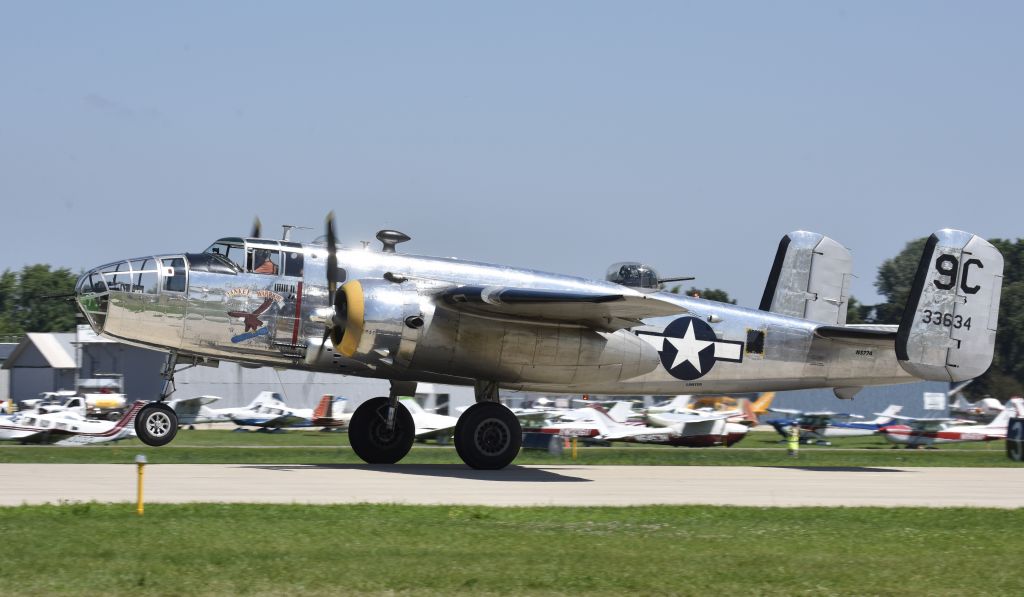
91,294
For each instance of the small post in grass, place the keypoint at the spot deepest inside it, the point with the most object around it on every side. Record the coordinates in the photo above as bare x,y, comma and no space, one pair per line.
575,440
140,462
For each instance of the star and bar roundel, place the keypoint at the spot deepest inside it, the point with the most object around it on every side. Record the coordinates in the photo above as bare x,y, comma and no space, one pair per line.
689,348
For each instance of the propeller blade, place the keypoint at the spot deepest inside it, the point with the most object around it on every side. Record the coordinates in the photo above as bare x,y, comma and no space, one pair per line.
320,349
332,280
332,257
257,228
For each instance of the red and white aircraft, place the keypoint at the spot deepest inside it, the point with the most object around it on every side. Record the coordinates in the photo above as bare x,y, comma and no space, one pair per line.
927,432
66,428
698,431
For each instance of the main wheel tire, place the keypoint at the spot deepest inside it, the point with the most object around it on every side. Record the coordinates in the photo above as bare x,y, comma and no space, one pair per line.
488,436
156,424
369,435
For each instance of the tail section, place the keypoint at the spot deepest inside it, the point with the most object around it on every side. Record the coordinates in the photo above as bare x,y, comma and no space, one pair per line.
810,279
886,416
621,411
763,403
948,331
1014,408
323,409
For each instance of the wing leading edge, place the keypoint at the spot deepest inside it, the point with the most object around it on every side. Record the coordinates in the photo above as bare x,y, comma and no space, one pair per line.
608,312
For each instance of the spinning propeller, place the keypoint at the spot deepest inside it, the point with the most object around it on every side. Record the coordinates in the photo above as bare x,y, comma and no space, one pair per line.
336,326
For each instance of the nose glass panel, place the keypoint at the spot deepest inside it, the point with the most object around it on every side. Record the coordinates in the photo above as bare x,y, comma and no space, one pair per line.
122,278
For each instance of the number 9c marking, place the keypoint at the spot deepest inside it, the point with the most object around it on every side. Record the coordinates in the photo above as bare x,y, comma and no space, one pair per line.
948,266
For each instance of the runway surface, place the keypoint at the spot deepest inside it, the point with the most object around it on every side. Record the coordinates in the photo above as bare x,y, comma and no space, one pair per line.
562,485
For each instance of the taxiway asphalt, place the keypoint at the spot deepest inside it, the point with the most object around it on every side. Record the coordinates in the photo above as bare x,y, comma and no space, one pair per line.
561,485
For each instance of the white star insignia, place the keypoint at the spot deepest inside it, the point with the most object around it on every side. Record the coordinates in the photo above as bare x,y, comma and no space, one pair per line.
688,349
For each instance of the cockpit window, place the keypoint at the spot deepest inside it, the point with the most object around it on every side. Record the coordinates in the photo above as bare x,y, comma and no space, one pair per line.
235,251
265,261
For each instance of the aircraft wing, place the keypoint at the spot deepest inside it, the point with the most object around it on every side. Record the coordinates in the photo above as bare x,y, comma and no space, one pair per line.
669,419
786,411
608,312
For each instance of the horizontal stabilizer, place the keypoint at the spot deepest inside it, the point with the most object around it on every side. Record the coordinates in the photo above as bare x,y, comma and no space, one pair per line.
948,331
810,279
858,334
602,311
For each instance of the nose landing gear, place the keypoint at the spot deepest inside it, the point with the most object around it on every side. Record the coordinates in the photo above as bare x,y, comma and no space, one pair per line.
370,435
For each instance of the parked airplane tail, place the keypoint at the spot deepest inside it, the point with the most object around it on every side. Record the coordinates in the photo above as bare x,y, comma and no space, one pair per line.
324,408
810,279
1014,408
886,416
763,403
948,331
621,411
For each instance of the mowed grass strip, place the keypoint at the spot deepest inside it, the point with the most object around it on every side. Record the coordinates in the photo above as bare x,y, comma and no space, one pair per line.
319,550
312,447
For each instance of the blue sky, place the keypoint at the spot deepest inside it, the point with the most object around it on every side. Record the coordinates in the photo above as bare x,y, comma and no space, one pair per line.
561,136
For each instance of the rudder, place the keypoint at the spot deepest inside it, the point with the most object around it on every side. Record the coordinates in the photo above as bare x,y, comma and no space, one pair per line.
948,329
810,279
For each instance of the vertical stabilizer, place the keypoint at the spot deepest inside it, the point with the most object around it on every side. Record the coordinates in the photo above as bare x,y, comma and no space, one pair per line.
885,417
948,331
810,279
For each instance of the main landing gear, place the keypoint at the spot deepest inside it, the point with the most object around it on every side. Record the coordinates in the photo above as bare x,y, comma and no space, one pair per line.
487,436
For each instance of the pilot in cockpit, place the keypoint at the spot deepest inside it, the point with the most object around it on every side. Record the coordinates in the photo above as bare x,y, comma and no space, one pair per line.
264,264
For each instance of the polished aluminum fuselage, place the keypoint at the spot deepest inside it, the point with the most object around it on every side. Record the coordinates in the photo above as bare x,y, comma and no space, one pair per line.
202,316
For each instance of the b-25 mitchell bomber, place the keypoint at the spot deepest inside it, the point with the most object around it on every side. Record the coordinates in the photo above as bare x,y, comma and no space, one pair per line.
410,318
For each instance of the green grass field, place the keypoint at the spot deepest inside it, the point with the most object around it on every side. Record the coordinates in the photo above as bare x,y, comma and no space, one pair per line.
384,549
314,447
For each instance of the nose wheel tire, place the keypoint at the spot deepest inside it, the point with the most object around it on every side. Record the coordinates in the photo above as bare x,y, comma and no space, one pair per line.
156,424
370,437
488,436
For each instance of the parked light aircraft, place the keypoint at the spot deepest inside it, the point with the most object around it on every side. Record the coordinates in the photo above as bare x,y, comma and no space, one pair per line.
429,425
269,411
697,431
984,409
66,428
410,319
914,432
816,427
742,415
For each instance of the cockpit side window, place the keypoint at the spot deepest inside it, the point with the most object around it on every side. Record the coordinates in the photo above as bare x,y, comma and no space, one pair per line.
265,261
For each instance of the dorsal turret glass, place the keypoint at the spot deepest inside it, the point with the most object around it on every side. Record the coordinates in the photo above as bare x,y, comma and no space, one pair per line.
633,274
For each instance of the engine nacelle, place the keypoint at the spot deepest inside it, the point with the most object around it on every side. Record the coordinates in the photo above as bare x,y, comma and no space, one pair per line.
382,320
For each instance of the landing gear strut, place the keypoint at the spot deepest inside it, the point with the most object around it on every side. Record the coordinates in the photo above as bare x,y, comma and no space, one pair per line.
156,424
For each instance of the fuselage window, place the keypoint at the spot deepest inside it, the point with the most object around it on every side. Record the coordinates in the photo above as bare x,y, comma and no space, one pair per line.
176,281
755,341
293,264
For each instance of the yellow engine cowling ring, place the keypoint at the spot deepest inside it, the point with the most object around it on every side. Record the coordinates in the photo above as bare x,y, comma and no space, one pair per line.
380,320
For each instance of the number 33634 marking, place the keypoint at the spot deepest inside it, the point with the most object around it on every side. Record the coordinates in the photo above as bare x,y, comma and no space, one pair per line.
945,319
